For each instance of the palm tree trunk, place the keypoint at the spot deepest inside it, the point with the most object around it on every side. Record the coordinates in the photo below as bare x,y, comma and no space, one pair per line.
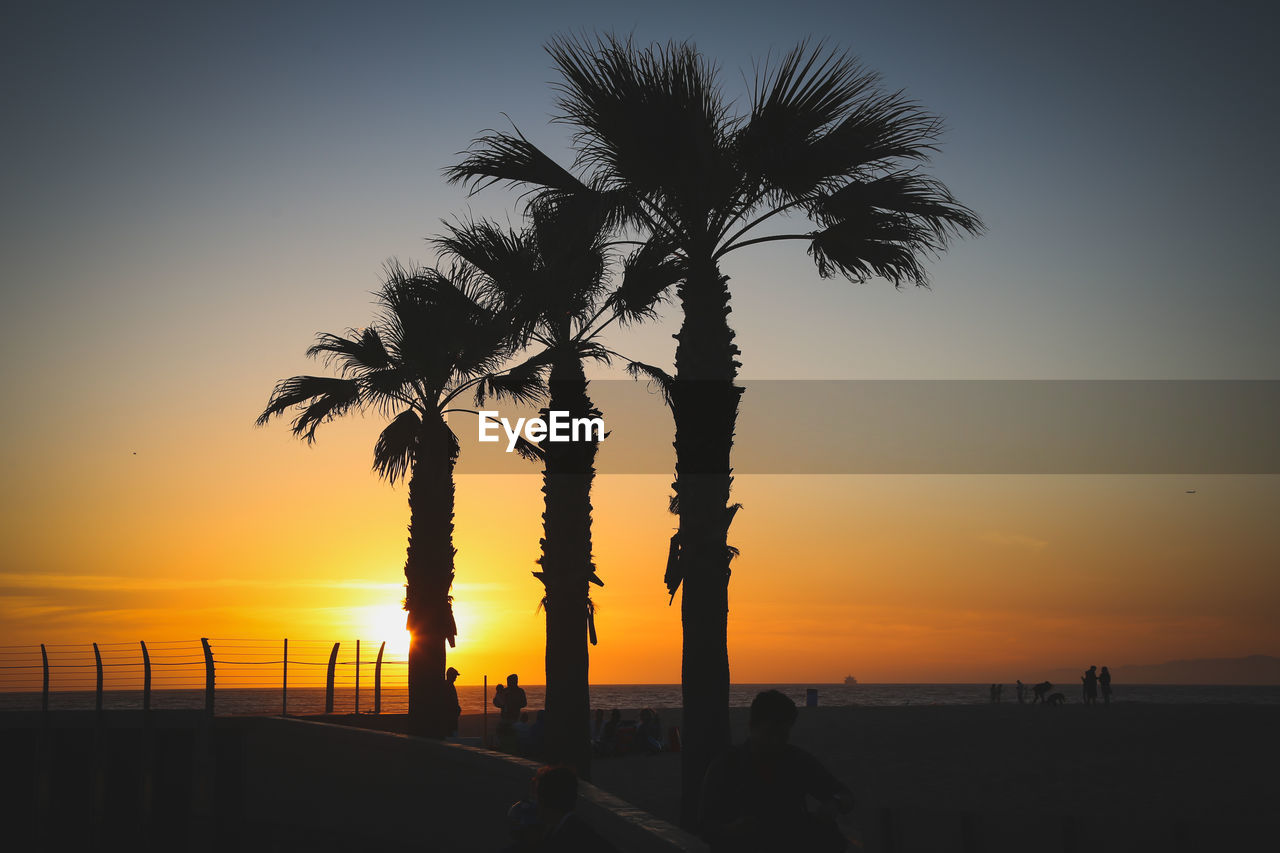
566,572
428,573
705,409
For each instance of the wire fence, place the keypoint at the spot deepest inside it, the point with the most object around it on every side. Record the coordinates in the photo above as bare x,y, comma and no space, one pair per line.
226,675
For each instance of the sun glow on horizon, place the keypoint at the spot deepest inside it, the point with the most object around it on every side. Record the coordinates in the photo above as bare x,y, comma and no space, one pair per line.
385,622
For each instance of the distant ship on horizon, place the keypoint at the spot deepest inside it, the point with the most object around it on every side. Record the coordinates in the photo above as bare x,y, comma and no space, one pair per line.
849,679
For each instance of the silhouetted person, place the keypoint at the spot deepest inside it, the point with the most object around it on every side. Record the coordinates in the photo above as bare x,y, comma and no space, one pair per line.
538,732
509,700
1104,681
650,731
597,727
523,734
513,699
609,735
1040,691
556,791
524,826
753,797
451,710
1090,680
1021,690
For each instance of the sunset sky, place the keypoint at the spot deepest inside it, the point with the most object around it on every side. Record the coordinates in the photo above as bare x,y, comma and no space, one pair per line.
187,197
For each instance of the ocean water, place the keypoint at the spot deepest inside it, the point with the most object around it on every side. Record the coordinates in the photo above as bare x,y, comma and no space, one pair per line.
310,700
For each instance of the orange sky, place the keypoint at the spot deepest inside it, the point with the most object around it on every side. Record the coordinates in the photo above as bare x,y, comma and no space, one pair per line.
189,197
891,578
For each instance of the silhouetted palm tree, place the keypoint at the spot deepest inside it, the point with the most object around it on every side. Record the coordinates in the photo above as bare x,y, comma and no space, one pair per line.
658,143
432,342
553,279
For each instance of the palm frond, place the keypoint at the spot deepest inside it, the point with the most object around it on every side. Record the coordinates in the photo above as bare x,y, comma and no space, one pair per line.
652,121
925,201
793,104
819,118
528,451
523,383
648,274
863,247
498,157
656,376
394,451
507,260
319,399
360,350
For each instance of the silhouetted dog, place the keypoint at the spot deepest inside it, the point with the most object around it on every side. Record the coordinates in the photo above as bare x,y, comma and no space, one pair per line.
1056,699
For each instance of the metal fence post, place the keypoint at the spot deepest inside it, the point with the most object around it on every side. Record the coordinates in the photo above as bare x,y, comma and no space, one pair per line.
357,676
328,687
208,675
146,676
44,695
284,681
377,680
97,700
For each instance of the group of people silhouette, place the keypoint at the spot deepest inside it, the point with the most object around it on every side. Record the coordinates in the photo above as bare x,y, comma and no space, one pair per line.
617,736
753,796
1093,682
612,737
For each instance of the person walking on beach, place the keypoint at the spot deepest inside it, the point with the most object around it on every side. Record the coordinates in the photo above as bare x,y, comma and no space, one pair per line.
753,796
1104,681
1090,679
1021,690
1041,690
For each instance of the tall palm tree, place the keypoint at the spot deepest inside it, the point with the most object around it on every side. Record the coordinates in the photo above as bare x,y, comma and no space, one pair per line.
657,141
553,279
432,342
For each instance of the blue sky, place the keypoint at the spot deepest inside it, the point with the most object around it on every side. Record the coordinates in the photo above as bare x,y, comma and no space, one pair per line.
174,175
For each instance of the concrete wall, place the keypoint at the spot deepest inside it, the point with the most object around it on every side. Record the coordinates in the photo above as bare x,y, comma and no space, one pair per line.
177,781
302,777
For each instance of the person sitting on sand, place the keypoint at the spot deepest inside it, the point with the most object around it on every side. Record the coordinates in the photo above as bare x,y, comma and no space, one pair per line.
523,733
753,796
608,743
650,731
556,792
597,727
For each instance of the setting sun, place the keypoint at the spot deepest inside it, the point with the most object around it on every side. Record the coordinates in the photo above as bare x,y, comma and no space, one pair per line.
385,622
